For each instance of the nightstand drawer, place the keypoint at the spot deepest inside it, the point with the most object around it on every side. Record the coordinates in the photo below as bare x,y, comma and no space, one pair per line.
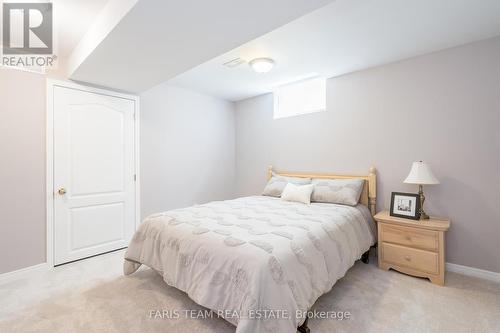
416,259
423,239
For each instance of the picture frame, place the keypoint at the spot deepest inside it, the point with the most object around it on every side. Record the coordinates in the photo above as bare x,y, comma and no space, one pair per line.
405,205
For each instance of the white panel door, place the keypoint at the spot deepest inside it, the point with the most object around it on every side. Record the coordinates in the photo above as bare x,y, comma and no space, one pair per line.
94,199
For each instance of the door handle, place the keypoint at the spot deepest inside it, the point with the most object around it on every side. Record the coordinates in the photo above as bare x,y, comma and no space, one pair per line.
62,191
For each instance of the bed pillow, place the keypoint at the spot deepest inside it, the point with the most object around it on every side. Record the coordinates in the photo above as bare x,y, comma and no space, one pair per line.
337,191
297,193
277,183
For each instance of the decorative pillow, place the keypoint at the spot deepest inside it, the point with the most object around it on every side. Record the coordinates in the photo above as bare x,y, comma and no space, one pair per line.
338,191
297,193
277,184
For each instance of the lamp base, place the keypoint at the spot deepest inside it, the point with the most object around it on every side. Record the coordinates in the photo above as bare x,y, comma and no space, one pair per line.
421,212
423,216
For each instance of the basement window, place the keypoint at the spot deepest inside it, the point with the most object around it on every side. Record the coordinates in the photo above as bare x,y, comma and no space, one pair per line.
298,98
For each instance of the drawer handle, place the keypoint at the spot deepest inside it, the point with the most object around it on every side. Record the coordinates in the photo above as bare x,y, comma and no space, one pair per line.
407,258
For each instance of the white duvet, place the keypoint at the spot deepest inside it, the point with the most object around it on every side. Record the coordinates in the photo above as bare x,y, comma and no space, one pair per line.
257,261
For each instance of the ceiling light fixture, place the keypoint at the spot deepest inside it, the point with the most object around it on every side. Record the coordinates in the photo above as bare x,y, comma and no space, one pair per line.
262,65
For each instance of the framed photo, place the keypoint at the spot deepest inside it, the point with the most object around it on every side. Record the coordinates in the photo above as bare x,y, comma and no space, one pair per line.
405,205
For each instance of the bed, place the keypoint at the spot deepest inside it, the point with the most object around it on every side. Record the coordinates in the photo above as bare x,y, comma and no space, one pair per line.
259,262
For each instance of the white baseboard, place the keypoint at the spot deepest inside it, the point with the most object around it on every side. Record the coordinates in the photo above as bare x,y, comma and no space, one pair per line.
23,272
474,272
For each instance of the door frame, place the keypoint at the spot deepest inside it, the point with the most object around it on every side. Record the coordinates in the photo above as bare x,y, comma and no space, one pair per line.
50,190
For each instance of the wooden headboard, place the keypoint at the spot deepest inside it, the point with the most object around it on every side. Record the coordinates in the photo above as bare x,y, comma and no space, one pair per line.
368,196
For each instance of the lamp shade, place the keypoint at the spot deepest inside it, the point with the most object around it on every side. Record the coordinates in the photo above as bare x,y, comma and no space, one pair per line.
421,174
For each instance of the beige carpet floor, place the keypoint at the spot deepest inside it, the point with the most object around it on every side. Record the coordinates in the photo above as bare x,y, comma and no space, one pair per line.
93,296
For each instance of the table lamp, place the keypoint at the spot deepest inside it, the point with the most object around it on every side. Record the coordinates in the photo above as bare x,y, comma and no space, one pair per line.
421,174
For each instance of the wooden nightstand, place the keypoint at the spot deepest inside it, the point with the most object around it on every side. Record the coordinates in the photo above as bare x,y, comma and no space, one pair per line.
414,247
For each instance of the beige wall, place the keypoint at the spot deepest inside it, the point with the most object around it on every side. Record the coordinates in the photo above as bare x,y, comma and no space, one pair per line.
443,108
187,149
22,169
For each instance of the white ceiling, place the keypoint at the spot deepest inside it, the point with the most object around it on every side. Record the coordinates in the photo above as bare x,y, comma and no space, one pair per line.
72,18
346,36
159,39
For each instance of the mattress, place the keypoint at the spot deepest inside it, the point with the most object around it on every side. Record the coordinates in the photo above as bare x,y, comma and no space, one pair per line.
259,262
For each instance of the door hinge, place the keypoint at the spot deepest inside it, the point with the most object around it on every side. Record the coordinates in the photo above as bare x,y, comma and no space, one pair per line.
135,178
